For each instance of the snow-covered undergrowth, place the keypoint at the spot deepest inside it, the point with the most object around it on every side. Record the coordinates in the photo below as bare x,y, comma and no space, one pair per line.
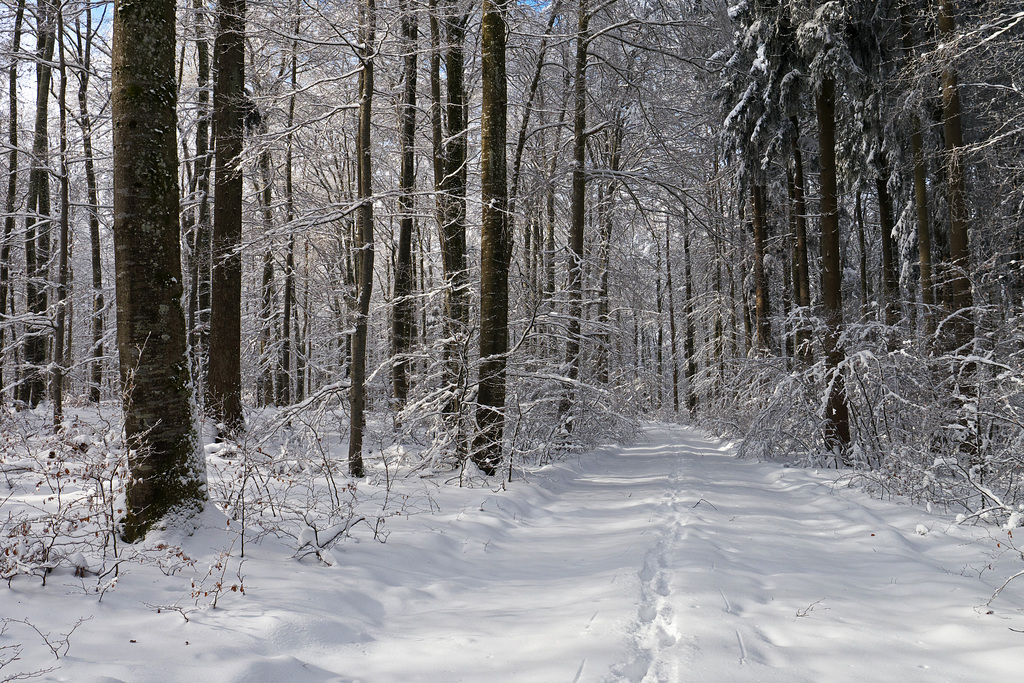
666,560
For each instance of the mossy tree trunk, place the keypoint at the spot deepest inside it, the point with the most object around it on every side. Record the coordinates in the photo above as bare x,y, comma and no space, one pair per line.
168,474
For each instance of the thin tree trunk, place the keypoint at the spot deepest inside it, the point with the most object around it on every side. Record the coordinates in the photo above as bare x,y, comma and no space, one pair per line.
762,301
890,280
168,474
858,213
404,312
37,218
12,185
672,335
450,191
92,194
837,416
284,382
495,241
803,280
959,249
60,322
224,385
689,339
924,240
364,241
202,235
578,208
264,193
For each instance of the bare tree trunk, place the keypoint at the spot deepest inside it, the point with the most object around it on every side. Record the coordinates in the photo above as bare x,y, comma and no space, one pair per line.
284,382
578,208
224,385
959,249
364,241
924,240
837,416
60,322
690,346
858,213
12,186
265,393
168,474
202,236
450,190
803,279
403,315
84,50
762,302
890,280
672,335
37,218
495,241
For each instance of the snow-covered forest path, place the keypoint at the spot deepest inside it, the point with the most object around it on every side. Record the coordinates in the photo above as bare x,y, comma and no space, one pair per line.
667,560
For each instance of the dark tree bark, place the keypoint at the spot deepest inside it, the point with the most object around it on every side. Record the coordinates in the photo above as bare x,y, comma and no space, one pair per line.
404,312
61,317
364,241
890,280
762,302
167,471
37,218
450,192
858,212
495,241
264,192
224,385
959,249
202,245
689,338
12,184
802,284
285,380
924,240
84,49
672,335
578,207
837,415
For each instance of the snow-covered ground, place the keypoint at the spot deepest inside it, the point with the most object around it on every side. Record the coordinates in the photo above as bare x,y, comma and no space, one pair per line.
667,560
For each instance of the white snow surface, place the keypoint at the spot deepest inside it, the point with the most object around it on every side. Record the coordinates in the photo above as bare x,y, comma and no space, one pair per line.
665,560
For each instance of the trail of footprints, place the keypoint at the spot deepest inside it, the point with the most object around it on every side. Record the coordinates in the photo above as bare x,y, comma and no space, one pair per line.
655,629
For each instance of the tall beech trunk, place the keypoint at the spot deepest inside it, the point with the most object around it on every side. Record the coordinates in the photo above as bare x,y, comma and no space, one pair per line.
224,385
61,317
12,186
364,241
578,207
403,328
84,49
672,335
450,203
837,414
285,380
689,336
38,219
202,233
495,241
168,474
959,249
924,240
263,185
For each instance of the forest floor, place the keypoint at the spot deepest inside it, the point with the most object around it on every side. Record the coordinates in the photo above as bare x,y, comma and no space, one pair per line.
666,560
